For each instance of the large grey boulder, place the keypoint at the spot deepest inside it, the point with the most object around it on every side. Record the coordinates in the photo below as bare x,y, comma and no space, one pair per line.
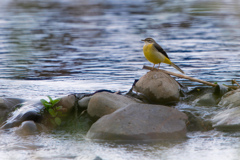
140,122
158,87
104,103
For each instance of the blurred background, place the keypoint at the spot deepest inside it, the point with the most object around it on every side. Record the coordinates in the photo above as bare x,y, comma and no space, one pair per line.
60,46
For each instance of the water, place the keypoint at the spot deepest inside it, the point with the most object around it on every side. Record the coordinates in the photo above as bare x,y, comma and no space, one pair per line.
59,47
209,145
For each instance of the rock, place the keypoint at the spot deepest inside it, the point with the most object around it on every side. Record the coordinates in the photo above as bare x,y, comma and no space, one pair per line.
230,99
83,103
33,111
7,105
211,98
158,87
196,123
27,128
104,103
140,122
227,120
67,103
220,90
207,99
191,95
29,111
97,158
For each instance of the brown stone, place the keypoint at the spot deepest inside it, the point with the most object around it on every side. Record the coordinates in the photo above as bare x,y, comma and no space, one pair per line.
104,103
158,87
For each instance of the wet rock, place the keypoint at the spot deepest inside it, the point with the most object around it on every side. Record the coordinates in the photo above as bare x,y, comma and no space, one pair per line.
140,122
196,92
158,87
220,90
33,111
207,99
97,158
206,96
227,120
230,99
196,123
83,103
105,103
67,103
7,105
29,111
27,128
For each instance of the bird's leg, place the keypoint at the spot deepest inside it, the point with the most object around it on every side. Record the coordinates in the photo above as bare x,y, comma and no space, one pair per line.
159,65
153,67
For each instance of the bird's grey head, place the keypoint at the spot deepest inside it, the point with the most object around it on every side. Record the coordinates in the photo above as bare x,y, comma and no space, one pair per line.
149,40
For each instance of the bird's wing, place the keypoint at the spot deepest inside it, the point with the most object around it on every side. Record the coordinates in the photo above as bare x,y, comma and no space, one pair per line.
159,48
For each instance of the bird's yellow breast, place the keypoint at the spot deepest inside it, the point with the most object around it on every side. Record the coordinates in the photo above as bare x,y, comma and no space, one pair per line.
153,55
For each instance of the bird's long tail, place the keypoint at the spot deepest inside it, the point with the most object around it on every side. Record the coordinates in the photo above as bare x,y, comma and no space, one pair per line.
175,66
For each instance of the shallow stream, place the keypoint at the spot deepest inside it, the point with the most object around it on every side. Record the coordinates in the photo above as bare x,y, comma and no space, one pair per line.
59,47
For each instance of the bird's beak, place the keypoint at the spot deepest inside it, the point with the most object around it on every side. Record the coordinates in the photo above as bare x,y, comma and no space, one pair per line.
143,40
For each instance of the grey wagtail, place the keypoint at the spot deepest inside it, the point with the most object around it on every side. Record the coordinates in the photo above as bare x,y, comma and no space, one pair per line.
155,54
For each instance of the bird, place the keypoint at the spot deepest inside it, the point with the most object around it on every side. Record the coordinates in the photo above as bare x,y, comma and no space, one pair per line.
155,54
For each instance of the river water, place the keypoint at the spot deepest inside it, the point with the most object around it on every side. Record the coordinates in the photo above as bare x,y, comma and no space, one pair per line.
58,47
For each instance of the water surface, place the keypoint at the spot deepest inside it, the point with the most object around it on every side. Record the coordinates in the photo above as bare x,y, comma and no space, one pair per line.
61,47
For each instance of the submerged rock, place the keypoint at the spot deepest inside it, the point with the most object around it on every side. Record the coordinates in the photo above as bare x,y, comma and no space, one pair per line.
104,103
140,122
158,87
